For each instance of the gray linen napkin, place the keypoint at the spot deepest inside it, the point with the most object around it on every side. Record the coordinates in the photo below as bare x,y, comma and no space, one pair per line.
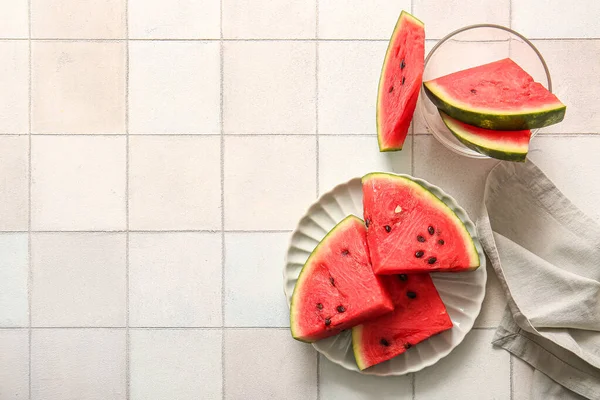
546,254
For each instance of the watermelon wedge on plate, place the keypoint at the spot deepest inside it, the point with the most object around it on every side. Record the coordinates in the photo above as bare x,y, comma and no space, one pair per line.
503,145
499,95
419,314
337,289
410,230
400,82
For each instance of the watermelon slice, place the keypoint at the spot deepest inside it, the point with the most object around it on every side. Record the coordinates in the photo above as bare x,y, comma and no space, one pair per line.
410,230
400,82
337,289
499,95
503,145
419,314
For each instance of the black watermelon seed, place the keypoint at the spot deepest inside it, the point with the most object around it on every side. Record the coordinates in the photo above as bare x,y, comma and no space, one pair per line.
441,241
388,228
332,280
402,64
431,260
367,222
327,322
345,252
391,89
341,309
431,230
384,342
403,79
407,346
473,91
419,254
319,306
420,238
403,277
411,295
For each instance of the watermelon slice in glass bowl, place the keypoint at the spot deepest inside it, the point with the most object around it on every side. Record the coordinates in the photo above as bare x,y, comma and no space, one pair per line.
470,47
462,293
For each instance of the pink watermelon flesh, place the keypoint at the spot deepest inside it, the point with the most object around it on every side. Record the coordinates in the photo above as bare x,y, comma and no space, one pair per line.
337,289
400,82
503,145
419,314
410,230
499,95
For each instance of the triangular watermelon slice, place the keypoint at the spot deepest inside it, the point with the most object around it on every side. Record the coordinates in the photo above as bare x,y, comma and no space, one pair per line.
419,314
499,95
503,145
337,289
410,230
400,82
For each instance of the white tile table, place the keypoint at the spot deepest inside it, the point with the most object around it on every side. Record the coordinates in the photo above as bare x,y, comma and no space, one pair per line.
155,156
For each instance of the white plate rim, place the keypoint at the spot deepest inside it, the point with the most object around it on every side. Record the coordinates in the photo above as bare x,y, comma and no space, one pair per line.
471,228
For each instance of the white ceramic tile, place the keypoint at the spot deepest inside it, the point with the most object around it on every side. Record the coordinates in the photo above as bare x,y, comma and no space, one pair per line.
269,87
78,364
269,181
572,164
474,370
75,19
357,19
175,19
14,272
175,279
345,157
282,19
494,303
14,175
522,378
14,364
14,81
248,256
461,177
174,87
78,182
574,70
79,279
556,18
267,364
174,182
14,19
348,79
337,383
175,364
442,17
78,87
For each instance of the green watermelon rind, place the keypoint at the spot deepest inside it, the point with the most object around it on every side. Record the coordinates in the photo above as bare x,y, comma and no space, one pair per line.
356,348
474,254
307,267
499,153
531,118
382,147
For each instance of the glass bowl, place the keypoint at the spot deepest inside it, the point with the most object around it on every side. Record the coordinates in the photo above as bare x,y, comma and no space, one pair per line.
469,47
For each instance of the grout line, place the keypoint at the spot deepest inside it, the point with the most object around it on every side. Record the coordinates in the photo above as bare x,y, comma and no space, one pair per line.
541,134
510,381
222,172
6,39
29,263
317,166
127,285
229,328
412,151
159,231
510,15
413,385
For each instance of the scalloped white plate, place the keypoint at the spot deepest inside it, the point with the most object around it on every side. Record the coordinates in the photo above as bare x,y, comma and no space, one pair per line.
462,293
